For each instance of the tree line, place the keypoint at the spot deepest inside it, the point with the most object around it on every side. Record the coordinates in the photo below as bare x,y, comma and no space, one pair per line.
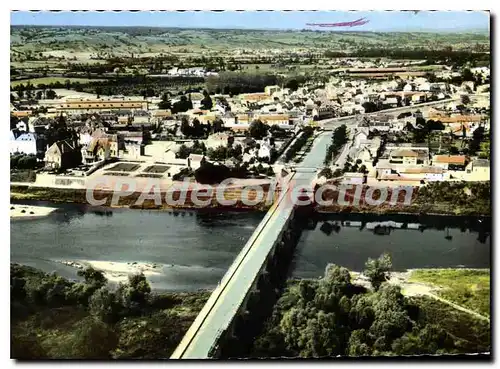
339,139
332,316
53,317
299,142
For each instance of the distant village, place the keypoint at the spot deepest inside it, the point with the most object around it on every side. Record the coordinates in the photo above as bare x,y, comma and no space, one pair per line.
72,136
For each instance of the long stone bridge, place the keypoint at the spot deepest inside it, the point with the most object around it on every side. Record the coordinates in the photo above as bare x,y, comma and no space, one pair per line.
251,280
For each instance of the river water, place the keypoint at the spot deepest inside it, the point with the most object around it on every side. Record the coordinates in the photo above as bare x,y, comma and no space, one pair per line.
194,249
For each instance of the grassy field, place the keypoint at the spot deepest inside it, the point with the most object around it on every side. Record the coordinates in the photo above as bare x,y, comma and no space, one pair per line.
23,176
126,40
48,80
469,288
469,333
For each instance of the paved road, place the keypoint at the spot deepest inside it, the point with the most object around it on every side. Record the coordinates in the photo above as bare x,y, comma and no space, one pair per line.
351,119
225,301
315,157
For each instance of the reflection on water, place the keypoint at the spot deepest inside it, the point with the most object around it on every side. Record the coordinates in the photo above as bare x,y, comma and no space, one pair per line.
196,248
412,241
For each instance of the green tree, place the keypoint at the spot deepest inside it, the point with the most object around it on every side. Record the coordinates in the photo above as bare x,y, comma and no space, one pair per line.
218,154
258,130
103,306
358,343
377,270
206,102
91,339
93,277
50,94
185,127
165,102
326,172
133,295
183,152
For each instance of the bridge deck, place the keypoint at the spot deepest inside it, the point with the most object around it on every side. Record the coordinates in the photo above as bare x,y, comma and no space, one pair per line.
225,301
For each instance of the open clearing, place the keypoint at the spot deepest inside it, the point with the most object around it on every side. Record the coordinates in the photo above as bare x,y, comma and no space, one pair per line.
469,288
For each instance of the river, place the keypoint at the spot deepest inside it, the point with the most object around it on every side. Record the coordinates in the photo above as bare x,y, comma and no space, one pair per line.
193,250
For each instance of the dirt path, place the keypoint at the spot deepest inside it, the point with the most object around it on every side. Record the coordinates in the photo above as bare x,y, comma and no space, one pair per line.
459,307
416,289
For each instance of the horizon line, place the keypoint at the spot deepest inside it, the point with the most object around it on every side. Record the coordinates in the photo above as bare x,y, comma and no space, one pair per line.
396,30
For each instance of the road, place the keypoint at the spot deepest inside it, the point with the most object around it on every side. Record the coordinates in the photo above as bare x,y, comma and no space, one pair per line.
225,301
351,119
315,157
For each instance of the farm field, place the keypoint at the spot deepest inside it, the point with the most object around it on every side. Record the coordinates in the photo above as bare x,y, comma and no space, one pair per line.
48,80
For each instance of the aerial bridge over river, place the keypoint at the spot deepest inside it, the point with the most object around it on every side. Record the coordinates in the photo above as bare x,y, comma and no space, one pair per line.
245,295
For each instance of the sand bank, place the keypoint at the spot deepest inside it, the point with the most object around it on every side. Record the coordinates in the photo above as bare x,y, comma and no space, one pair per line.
29,211
117,271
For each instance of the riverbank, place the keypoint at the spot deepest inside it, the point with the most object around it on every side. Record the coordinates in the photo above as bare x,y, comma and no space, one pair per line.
421,204
435,198
54,318
401,317
465,289
79,196
115,271
29,211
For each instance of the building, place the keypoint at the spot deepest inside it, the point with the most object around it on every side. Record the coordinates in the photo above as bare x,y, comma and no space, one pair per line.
270,90
403,156
353,178
194,161
450,162
445,119
272,119
478,170
254,98
99,149
264,150
131,150
62,155
161,115
78,105
409,175
26,143
360,136
21,113
323,113
390,102
218,139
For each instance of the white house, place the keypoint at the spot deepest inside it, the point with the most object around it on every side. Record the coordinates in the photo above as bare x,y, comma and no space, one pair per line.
195,160
360,136
391,101
84,138
218,139
478,170
264,150
25,143
407,87
425,86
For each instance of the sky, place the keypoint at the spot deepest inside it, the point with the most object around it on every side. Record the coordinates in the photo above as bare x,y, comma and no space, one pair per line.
378,21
